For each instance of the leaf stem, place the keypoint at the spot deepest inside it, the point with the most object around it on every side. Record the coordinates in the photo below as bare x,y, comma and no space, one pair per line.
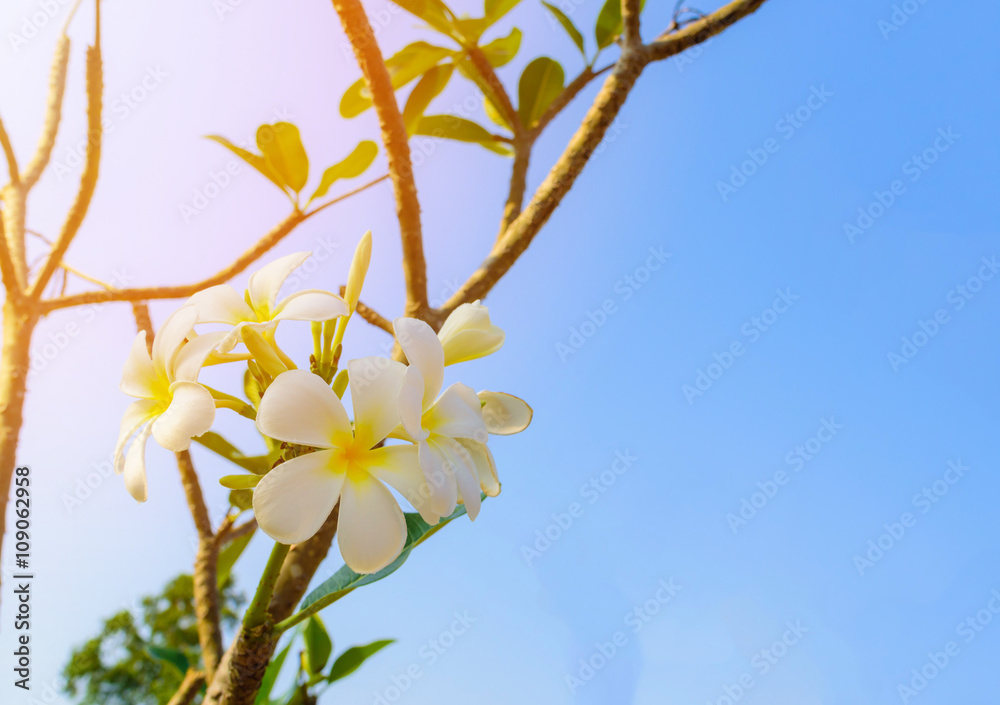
257,612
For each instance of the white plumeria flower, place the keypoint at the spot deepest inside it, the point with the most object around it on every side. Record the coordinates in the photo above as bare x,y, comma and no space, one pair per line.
293,500
449,430
504,415
172,406
468,334
260,308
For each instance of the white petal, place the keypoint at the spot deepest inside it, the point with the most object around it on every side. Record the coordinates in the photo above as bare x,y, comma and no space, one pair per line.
193,355
466,476
371,531
266,282
504,414
375,384
170,337
468,334
452,415
135,466
424,351
440,480
300,408
293,500
486,468
191,413
411,395
137,414
310,305
139,376
221,304
399,467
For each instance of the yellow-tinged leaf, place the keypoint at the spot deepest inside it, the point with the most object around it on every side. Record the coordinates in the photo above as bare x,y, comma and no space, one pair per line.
282,148
354,164
240,482
541,83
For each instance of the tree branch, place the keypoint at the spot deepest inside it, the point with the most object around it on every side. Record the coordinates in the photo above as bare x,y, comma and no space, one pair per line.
8,150
671,43
494,88
574,158
185,695
631,36
53,114
88,180
272,238
366,50
7,270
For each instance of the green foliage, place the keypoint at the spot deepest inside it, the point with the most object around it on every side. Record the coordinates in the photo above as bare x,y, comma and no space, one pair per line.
426,90
319,646
282,149
501,51
345,580
404,66
137,658
354,164
609,23
451,127
257,464
351,660
568,25
541,83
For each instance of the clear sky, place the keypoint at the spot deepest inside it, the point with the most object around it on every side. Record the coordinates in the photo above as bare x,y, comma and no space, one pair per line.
838,430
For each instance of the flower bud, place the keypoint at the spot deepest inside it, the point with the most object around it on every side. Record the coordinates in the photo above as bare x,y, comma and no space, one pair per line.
468,334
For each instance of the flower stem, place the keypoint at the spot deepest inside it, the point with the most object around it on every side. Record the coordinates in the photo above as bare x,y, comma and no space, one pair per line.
257,612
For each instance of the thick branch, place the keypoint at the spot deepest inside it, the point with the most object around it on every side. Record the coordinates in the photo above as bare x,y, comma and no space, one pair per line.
91,168
7,271
185,695
53,114
630,23
667,45
397,146
238,677
574,158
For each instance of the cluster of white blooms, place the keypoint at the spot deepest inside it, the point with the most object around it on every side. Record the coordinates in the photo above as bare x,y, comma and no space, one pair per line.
440,458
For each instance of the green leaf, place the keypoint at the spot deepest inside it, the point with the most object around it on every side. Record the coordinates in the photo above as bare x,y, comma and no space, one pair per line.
257,161
172,656
345,580
609,23
251,388
282,148
433,12
426,90
354,164
349,661
319,646
404,66
568,25
451,127
240,482
501,51
270,676
257,464
541,83
241,499
228,557
494,114
495,9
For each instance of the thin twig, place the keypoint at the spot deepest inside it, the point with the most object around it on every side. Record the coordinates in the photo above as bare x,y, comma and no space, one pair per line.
272,238
53,114
8,150
189,687
91,168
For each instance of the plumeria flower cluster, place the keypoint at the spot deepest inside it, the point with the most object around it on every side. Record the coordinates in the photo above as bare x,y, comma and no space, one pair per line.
405,431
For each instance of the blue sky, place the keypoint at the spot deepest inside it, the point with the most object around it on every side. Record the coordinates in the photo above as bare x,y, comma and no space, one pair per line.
777,608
